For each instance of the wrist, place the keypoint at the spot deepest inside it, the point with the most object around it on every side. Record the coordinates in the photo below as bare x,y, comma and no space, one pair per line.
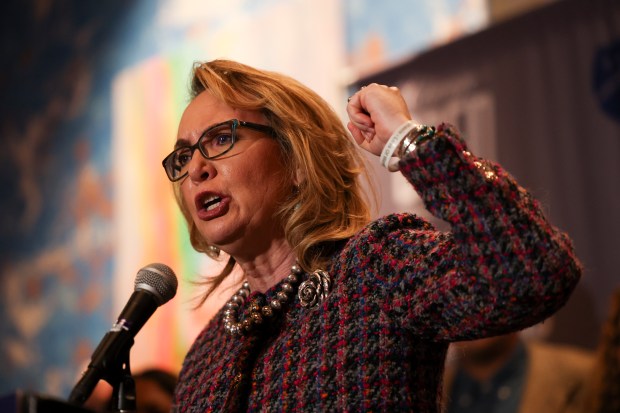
394,142
406,139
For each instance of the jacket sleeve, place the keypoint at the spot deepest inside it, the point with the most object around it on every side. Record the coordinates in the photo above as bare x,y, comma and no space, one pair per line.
502,267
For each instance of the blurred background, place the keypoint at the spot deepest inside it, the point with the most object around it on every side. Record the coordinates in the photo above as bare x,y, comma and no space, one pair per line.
91,93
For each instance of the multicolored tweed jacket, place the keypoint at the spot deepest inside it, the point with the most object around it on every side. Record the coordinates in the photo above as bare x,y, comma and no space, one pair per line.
401,292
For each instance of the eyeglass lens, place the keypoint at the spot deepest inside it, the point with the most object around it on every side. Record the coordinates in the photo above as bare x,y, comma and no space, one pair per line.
213,143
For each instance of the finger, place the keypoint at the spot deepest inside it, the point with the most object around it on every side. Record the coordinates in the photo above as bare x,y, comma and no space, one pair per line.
356,133
357,114
368,135
363,122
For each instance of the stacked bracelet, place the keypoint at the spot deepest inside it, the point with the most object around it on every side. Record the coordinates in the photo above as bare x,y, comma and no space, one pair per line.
395,140
404,141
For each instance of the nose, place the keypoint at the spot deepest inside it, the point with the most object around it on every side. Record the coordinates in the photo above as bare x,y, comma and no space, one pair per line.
199,168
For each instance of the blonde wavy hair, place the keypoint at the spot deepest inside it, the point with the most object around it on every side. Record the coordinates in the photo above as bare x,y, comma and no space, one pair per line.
329,203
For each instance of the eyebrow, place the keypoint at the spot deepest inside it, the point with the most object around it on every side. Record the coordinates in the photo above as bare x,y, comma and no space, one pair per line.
181,143
184,143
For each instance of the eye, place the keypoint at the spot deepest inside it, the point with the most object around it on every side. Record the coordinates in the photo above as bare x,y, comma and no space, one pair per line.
217,141
221,139
182,157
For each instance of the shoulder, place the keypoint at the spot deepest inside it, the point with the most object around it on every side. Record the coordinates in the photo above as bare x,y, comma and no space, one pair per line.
388,243
211,336
388,231
395,223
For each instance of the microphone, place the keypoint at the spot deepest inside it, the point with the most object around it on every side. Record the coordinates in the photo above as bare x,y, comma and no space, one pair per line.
155,285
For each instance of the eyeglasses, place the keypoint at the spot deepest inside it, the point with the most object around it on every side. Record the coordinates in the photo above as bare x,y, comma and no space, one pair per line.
213,143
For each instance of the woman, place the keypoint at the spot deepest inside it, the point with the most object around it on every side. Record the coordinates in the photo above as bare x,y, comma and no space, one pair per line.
339,313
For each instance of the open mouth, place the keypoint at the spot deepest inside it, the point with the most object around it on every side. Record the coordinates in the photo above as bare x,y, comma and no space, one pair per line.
211,202
210,205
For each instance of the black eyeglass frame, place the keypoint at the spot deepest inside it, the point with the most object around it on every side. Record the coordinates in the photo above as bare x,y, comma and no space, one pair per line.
234,124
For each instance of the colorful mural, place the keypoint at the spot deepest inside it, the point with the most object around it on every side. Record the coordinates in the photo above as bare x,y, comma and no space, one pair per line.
56,254
382,34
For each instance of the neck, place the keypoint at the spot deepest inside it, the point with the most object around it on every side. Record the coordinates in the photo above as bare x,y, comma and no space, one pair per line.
265,270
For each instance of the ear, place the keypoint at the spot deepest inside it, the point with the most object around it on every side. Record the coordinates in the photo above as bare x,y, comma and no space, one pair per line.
299,177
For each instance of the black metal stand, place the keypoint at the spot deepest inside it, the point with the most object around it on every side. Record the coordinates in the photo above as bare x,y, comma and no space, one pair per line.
123,386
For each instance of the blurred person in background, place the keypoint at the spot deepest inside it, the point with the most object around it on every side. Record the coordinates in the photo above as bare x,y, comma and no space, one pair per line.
154,390
508,374
604,389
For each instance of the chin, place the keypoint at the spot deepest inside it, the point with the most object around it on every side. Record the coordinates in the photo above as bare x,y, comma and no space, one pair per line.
220,239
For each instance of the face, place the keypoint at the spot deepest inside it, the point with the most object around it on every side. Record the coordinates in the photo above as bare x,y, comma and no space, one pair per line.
233,199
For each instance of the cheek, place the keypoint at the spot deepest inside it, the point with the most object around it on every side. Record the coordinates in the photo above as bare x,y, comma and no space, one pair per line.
269,180
187,197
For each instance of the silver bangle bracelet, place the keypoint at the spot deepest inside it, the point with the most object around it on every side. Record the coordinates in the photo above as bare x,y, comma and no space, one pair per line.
412,140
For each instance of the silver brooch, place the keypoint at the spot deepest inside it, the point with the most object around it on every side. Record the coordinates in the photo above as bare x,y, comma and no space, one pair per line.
314,289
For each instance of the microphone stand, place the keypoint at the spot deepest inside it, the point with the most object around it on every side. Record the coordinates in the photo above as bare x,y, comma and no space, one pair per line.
116,371
123,385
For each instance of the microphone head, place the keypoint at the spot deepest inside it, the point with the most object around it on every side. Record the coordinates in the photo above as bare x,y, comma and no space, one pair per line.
159,280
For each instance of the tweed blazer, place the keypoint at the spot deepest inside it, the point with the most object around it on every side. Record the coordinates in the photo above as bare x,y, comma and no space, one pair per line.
401,292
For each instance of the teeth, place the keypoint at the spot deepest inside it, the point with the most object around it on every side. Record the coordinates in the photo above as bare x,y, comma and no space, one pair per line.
211,202
212,206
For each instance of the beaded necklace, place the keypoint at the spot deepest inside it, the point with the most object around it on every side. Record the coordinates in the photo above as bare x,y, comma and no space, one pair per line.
312,291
